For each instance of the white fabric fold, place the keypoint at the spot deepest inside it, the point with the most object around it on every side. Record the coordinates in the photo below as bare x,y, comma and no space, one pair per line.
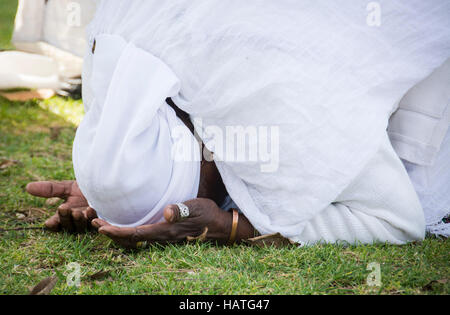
123,150
420,124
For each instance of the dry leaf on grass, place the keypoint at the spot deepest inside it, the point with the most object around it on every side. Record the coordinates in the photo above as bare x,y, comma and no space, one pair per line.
276,240
31,214
5,163
99,275
54,132
430,286
22,96
20,216
45,286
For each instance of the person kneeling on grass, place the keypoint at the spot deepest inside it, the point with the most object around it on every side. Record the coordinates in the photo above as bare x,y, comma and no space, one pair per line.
380,205
324,87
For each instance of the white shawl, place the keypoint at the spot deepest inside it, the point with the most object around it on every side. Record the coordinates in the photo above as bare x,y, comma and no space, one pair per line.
320,71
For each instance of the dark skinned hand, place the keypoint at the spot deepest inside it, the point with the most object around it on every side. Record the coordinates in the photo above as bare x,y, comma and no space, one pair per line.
204,213
74,215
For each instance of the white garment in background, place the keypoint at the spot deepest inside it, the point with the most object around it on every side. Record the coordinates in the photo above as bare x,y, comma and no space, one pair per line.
56,29
314,69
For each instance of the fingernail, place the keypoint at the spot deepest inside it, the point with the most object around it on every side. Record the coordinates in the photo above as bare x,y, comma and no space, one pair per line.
171,214
63,207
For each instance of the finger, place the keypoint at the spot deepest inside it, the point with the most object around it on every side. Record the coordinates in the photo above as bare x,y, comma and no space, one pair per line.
172,213
53,223
90,215
117,232
153,232
65,217
79,220
49,189
121,236
75,202
98,223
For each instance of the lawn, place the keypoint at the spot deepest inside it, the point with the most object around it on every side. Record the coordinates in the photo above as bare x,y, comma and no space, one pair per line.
35,144
7,12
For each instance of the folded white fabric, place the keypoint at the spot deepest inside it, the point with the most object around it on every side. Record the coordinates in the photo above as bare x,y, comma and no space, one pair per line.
419,125
315,69
124,150
420,134
432,183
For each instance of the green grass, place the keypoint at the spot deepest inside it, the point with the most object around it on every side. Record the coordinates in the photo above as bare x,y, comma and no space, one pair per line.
39,135
7,12
29,256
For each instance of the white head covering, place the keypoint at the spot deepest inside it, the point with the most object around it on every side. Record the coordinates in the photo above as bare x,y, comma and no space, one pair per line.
124,148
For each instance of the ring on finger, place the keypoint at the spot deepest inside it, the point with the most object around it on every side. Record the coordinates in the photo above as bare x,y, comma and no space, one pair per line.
184,210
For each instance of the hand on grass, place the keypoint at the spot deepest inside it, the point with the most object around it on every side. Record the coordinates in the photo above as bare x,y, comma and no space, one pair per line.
74,215
206,221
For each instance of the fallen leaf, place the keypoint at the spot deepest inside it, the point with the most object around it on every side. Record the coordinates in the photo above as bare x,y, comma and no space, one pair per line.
54,132
20,216
22,96
99,275
38,210
276,240
432,284
7,163
31,214
35,177
45,286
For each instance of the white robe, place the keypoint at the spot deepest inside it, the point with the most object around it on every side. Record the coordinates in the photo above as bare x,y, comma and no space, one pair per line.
380,205
318,71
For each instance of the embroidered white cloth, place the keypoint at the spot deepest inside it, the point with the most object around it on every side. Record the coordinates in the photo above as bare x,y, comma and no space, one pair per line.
315,69
123,149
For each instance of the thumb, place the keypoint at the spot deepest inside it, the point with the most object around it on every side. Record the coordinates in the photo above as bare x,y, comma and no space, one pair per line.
128,234
98,223
107,230
171,213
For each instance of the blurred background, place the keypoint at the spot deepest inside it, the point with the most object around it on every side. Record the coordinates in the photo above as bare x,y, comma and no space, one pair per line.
42,43
41,47
8,10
